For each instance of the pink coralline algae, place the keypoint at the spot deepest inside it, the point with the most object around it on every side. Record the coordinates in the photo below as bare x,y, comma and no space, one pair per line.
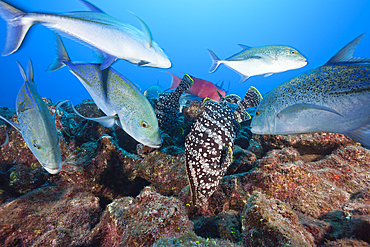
141,221
49,216
293,190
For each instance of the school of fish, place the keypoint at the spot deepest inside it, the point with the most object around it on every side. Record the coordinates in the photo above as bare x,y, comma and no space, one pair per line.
331,98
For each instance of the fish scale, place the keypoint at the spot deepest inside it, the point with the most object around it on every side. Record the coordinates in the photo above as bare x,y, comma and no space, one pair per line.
122,102
203,159
36,124
114,38
331,98
209,145
263,60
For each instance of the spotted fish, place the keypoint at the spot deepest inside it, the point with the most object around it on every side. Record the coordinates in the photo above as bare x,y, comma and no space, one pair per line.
168,105
36,124
209,145
334,98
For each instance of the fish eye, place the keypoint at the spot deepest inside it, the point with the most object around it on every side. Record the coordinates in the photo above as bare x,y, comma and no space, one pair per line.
292,52
258,113
34,143
144,124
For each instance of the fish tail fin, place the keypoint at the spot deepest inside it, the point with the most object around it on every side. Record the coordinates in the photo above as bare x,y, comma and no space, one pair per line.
62,55
251,99
17,27
215,61
175,80
185,84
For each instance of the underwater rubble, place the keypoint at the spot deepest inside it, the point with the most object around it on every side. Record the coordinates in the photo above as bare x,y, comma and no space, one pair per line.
293,190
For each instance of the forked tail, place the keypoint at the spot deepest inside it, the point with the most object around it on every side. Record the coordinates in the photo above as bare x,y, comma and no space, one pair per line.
16,25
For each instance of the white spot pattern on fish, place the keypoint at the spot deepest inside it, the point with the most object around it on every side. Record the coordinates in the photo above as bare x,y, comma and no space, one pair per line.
208,147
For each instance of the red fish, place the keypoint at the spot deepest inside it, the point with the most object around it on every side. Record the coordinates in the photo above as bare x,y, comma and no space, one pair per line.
200,88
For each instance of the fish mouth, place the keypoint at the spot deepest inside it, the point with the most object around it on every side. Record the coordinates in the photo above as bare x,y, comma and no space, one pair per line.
52,170
153,145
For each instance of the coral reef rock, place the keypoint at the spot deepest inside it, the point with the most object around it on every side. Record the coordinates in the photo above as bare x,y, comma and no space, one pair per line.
141,221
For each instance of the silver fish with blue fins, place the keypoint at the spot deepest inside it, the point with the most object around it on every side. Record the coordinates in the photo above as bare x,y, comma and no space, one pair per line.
116,96
209,145
36,124
334,98
94,28
262,60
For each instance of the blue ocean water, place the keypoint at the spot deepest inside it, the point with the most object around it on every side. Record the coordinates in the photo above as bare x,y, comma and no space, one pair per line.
184,29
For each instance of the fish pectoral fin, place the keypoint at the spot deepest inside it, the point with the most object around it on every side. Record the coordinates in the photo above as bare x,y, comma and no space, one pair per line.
15,125
361,135
6,140
56,108
268,74
226,156
142,63
265,58
289,111
106,121
107,62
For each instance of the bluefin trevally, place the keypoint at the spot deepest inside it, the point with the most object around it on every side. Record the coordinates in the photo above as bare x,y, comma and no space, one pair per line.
334,97
153,91
36,124
94,28
262,60
116,96
209,145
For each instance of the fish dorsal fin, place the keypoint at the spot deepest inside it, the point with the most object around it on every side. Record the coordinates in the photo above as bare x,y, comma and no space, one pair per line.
22,71
30,71
146,31
346,53
61,55
92,7
289,111
15,126
244,47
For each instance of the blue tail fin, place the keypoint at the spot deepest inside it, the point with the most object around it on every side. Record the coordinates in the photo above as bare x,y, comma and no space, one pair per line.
62,55
215,61
17,27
